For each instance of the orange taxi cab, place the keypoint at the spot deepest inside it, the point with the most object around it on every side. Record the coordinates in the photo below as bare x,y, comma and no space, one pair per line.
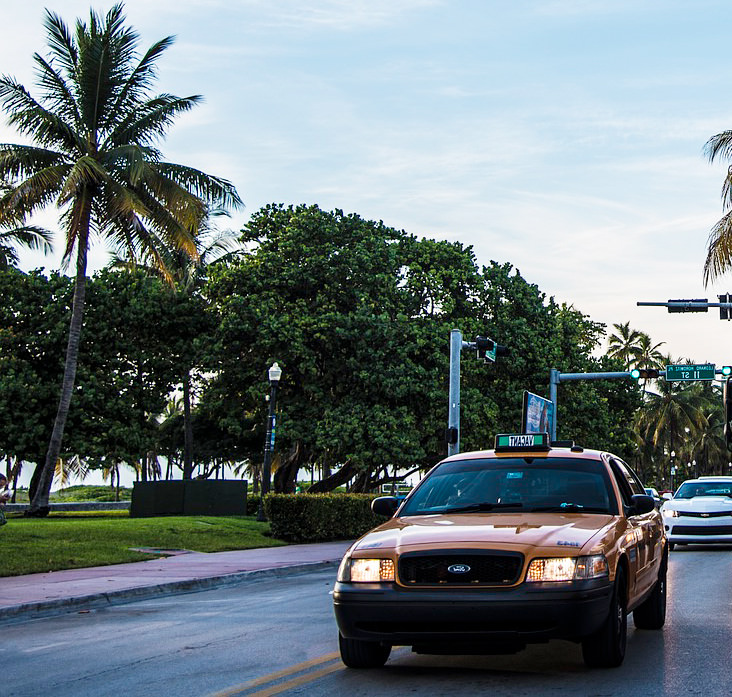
497,549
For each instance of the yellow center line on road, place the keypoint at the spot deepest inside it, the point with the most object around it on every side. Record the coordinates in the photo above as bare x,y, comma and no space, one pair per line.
292,670
296,682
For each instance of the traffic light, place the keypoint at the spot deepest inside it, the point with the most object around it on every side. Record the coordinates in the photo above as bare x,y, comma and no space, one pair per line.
643,373
727,397
685,308
724,312
489,349
726,370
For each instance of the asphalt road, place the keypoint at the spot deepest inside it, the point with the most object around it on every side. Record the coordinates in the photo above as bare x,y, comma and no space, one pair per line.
277,636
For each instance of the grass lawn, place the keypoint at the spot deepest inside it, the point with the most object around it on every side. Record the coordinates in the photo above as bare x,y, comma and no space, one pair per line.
75,540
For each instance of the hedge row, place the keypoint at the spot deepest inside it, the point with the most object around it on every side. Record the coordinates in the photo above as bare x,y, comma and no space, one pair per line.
320,517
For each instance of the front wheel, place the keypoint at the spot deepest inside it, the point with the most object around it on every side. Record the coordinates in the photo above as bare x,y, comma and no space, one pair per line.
358,653
606,647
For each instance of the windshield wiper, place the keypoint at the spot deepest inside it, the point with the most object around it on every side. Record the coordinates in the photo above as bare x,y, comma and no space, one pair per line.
482,507
569,507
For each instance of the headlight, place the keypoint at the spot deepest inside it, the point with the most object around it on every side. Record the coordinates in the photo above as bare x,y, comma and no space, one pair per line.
567,568
366,570
670,513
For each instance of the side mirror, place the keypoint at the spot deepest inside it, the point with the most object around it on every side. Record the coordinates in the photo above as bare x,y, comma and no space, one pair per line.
641,503
667,496
385,505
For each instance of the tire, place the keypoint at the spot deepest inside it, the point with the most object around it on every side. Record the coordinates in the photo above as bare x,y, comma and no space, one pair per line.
606,647
671,546
358,653
651,614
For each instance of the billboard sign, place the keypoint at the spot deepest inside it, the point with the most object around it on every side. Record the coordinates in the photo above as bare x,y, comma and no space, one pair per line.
537,415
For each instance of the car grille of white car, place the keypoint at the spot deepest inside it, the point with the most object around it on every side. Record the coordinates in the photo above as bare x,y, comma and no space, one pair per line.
701,530
705,514
469,567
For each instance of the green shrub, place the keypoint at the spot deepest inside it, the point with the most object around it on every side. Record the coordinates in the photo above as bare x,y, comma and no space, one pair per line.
320,517
252,504
82,492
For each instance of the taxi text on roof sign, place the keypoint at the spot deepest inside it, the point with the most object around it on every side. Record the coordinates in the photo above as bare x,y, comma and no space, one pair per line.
522,441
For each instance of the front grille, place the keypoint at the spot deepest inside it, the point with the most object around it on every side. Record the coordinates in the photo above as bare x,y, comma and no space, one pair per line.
701,530
460,568
706,514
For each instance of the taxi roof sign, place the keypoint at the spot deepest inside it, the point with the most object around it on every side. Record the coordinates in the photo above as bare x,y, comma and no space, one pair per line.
522,441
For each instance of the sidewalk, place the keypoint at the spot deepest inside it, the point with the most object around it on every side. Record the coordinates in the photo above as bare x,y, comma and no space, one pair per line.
57,592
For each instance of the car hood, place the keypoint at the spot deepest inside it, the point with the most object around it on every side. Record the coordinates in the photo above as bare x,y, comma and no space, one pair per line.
510,531
700,504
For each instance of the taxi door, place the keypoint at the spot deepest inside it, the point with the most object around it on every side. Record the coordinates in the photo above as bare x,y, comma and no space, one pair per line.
641,541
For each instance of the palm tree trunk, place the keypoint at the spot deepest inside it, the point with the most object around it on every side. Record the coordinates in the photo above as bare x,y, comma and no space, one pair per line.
39,504
187,428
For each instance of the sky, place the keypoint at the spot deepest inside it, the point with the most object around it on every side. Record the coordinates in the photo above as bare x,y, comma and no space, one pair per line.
565,137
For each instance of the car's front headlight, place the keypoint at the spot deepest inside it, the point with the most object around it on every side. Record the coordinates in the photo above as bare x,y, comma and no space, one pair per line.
567,569
670,513
366,570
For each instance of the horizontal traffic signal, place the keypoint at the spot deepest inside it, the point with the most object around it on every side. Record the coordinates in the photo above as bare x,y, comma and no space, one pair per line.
726,370
644,373
489,349
684,305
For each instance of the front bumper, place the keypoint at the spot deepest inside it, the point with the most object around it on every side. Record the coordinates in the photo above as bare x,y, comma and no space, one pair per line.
449,616
688,530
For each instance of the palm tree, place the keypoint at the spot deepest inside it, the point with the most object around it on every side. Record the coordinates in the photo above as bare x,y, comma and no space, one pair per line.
673,418
189,275
94,131
624,345
30,236
649,354
719,250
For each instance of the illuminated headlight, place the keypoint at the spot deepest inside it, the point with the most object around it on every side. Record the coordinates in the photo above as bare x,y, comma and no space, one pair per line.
670,513
567,569
366,570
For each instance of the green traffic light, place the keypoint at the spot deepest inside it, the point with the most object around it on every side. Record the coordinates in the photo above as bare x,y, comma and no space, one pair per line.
726,370
635,373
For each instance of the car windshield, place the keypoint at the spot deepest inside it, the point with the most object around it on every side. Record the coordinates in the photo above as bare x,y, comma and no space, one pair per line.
516,484
688,490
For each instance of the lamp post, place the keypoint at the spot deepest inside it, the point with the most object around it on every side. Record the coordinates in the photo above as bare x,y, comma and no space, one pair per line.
274,374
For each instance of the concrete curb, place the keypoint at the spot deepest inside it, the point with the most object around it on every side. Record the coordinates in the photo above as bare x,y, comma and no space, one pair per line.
50,608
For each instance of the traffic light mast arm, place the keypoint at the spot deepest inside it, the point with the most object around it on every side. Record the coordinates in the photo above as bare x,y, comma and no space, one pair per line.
700,305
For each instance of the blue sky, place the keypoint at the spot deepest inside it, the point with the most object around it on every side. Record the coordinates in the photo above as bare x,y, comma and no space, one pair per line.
563,137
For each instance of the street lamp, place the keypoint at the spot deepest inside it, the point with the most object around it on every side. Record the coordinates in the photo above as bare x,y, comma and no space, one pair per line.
274,374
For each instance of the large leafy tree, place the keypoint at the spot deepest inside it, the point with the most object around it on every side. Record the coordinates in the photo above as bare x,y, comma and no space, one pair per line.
358,316
94,131
540,334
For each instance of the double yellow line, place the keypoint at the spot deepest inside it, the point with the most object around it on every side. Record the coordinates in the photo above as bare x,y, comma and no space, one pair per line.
330,663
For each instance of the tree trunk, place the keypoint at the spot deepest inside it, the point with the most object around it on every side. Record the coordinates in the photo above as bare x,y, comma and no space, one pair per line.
341,477
39,504
187,428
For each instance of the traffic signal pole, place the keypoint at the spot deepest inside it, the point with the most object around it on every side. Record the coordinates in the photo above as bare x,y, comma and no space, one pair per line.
555,377
487,350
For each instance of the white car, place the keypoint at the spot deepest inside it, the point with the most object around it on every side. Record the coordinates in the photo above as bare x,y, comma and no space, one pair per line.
700,512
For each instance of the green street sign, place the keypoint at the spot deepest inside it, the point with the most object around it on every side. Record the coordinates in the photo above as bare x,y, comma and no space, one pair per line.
704,371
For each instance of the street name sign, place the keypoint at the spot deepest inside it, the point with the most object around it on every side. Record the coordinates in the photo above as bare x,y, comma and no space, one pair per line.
705,371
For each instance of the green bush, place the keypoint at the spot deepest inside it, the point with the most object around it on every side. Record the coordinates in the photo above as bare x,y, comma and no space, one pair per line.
252,504
320,517
82,492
